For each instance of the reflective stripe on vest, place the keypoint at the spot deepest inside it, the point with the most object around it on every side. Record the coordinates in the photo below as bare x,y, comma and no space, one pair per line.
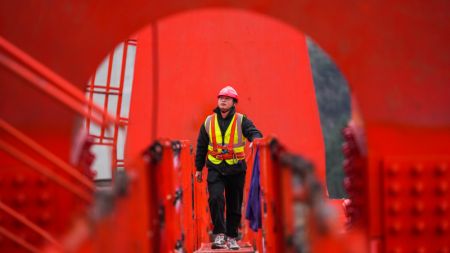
219,146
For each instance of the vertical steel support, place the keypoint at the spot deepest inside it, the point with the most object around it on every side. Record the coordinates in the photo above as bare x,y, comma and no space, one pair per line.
107,90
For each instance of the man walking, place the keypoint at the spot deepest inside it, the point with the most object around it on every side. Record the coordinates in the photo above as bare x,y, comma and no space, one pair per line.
221,143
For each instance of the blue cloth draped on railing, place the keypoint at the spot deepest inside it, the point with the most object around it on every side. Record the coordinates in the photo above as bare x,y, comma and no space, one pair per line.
253,212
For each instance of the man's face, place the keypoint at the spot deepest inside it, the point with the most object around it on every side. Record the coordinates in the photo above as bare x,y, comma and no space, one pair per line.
225,103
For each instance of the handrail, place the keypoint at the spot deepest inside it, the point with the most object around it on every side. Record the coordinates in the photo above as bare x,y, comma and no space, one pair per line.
66,93
29,224
20,156
46,154
46,87
18,240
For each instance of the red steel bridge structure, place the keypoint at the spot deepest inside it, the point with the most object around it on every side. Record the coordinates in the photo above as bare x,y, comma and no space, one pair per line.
394,55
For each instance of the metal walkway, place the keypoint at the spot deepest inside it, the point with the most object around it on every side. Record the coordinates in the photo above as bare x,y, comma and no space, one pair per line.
245,247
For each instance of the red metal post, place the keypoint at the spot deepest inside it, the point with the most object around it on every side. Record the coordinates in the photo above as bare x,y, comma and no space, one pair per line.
91,99
270,200
201,209
105,101
187,208
119,103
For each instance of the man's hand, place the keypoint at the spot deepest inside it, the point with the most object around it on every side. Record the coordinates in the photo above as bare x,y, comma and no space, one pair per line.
198,176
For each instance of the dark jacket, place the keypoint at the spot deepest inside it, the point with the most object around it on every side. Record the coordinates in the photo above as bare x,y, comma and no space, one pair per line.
248,130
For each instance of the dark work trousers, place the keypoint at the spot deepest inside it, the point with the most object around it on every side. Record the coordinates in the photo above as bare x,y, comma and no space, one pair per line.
233,185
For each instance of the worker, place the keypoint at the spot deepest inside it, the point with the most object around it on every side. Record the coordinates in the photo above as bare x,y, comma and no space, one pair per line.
221,145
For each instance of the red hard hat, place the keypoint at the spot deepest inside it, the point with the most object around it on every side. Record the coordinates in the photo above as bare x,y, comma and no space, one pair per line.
229,92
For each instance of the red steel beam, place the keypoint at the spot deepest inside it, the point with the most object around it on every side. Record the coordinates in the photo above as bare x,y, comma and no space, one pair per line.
103,143
119,101
91,97
100,138
108,83
102,87
30,224
71,187
24,61
46,154
6,233
15,67
105,93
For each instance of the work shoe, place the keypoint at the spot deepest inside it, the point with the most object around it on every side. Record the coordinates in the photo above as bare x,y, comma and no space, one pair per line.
232,244
219,242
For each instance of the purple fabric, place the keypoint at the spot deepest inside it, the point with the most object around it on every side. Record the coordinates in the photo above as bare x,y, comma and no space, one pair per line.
253,212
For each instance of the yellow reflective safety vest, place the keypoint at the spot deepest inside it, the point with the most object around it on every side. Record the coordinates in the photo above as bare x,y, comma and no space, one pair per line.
229,148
